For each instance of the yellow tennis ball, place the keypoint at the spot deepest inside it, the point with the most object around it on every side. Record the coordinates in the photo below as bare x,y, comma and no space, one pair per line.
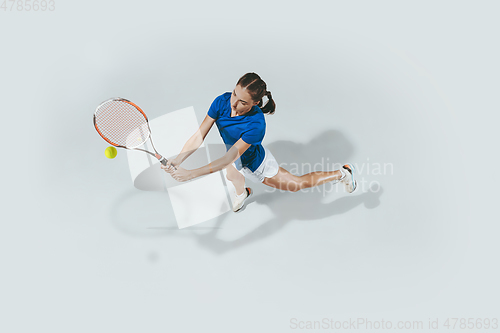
110,152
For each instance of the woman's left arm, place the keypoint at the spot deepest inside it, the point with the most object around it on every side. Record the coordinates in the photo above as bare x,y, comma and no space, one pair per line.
231,155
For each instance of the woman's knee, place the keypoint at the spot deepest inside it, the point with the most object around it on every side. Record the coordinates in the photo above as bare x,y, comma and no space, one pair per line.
285,181
233,175
296,186
233,178
290,185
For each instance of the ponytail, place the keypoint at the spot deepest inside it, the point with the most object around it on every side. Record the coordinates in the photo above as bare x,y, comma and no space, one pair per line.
270,106
257,88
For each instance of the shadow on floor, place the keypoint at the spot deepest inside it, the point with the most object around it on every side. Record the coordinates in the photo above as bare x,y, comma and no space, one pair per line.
327,151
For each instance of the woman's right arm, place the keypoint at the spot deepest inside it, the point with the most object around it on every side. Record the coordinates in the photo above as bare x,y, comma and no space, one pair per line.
194,141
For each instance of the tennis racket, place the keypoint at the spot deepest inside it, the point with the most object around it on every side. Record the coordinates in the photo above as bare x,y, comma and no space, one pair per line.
123,124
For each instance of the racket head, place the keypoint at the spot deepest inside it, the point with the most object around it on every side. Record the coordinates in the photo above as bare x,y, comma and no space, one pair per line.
121,123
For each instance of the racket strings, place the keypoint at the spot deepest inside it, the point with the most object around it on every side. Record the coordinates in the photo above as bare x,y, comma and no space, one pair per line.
122,124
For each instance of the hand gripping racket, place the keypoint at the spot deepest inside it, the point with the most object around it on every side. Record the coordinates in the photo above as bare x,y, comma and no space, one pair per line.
123,124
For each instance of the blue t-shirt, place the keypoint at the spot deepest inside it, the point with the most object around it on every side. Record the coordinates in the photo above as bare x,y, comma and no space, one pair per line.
251,127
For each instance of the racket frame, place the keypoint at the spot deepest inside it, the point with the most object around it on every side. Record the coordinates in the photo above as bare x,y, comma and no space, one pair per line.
160,158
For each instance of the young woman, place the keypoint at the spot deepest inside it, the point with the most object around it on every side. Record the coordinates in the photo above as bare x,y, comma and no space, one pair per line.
242,126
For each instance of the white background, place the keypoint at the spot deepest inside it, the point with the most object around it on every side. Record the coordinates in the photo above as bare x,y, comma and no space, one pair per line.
410,83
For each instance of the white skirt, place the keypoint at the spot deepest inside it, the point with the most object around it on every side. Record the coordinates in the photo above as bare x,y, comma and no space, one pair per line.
267,169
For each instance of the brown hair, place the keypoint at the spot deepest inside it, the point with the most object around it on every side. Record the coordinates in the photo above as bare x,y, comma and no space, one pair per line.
257,88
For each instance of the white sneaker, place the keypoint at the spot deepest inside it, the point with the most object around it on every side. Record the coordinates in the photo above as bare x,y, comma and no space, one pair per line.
239,202
348,179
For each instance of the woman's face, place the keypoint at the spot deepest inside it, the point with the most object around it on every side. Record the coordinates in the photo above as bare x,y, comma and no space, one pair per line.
241,101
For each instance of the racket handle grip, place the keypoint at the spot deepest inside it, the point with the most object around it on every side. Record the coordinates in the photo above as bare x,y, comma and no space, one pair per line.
164,162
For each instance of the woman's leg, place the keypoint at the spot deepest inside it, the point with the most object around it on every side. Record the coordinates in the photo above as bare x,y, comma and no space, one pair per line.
236,178
284,180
